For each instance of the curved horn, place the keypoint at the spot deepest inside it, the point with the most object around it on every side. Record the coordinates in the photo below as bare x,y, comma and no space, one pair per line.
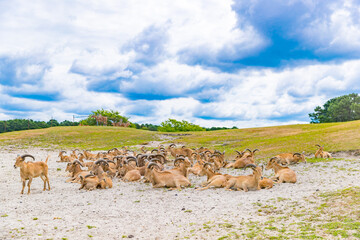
63,151
155,160
250,165
152,164
256,150
317,145
247,150
239,153
102,161
132,160
28,155
77,161
154,150
173,144
296,154
275,158
207,164
178,159
89,175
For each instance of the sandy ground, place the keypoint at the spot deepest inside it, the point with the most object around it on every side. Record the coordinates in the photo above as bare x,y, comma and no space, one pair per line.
136,210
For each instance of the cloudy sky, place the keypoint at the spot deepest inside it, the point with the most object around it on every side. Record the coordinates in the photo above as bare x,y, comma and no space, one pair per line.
215,63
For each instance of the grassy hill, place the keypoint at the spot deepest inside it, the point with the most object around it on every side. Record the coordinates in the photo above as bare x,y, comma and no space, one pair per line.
270,140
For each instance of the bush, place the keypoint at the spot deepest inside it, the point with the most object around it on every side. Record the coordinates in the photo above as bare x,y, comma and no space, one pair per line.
172,125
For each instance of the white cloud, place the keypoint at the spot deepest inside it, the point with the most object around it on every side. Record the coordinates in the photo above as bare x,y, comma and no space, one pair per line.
82,46
338,31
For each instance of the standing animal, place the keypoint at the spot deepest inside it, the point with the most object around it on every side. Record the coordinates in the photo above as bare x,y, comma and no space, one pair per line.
30,170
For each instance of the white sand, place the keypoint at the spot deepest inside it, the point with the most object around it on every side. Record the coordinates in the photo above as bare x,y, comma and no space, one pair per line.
139,210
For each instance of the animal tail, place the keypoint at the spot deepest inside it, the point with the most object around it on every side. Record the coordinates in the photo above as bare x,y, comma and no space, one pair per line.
47,159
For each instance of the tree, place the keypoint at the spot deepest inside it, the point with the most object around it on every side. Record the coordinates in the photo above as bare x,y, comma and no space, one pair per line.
339,109
113,116
172,125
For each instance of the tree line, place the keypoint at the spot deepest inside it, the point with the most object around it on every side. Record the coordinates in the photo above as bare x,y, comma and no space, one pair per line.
26,124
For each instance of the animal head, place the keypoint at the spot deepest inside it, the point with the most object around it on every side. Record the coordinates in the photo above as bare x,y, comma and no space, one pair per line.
300,157
20,159
272,162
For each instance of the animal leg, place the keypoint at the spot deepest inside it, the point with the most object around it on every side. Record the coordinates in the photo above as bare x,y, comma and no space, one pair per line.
29,183
44,180
158,185
23,186
48,183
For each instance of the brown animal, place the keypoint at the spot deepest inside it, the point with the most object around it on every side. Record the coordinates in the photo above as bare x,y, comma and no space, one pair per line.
291,158
179,151
246,183
181,166
282,174
243,159
30,170
321,153
100,119
91,181
165,178
216,180
64,158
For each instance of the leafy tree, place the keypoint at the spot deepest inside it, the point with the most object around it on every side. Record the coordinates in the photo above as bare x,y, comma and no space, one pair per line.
339,109
172,125
219,128
68,123
146,126
53,123
113,116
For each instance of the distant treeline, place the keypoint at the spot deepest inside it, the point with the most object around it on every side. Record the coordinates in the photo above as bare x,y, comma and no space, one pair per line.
25,124
170,125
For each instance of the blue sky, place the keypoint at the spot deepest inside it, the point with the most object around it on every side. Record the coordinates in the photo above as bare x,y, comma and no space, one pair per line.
213,63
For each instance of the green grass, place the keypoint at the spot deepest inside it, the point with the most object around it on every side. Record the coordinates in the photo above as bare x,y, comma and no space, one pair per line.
270,140
92,138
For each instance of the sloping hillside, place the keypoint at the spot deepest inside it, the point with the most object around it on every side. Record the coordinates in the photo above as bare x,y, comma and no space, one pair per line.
270,140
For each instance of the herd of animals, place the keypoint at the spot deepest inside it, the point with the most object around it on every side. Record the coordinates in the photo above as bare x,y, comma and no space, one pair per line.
165,167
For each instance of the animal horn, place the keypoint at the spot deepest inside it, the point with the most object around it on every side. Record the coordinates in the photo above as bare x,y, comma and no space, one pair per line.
239,153
133,160
27,155
297,154
247,150
101,161
317,145
256,150
152,164
77,161
178,159
250,165
207,164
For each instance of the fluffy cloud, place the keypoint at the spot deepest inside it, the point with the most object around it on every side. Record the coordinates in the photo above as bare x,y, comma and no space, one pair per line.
206,62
